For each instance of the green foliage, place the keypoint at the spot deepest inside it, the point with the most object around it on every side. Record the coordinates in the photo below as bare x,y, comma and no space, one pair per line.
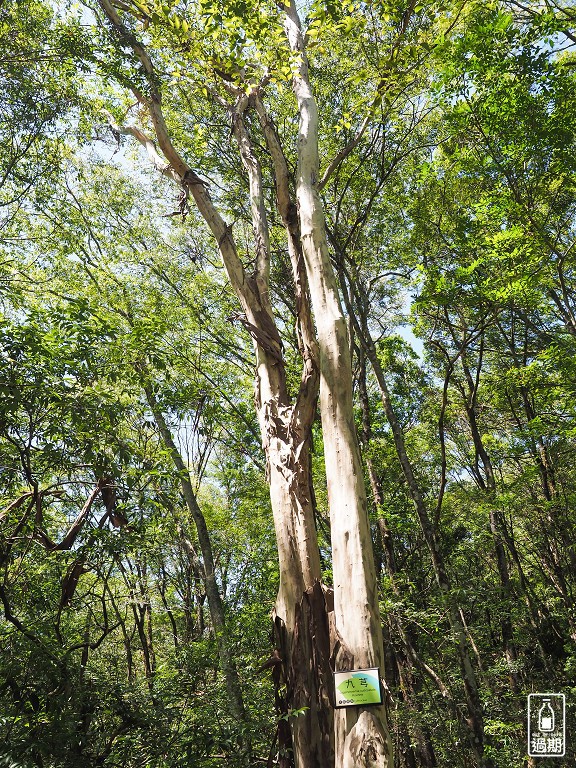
459,192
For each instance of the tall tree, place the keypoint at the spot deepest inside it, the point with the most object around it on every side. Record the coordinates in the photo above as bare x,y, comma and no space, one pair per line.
241,88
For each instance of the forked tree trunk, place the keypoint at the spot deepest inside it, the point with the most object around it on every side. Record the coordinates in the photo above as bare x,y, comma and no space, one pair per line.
301,612
303,607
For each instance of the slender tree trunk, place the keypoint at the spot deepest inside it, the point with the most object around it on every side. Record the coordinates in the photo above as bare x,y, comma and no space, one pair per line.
417,744
125,636
215,603
506,598
488,485
169,611
138,606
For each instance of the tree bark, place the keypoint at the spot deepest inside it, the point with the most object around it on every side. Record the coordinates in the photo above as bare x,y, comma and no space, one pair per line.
285,427
361,735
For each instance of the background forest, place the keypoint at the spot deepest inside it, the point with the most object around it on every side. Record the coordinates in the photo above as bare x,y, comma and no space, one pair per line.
137,547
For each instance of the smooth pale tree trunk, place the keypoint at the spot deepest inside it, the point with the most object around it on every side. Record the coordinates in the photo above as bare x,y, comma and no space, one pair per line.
361,734
475,718
303,608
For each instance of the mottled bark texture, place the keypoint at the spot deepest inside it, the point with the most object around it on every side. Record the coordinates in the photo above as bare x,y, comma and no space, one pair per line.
361,735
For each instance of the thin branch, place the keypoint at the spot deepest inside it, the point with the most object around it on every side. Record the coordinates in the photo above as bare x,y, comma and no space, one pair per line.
345,151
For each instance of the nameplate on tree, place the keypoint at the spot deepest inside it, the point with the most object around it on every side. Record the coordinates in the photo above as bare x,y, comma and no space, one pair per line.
357,687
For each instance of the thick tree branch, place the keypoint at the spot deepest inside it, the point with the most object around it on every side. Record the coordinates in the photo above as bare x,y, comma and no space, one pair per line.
305,407
15,504
185,176
9,616
154,156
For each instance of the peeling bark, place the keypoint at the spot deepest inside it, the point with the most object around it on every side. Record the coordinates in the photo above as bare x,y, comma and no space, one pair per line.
356,612
307,676
284,425
366,742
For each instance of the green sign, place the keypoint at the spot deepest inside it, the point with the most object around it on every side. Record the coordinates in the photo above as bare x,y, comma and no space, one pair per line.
357,687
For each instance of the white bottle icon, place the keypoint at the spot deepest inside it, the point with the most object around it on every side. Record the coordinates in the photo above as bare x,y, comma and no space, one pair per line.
546,717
